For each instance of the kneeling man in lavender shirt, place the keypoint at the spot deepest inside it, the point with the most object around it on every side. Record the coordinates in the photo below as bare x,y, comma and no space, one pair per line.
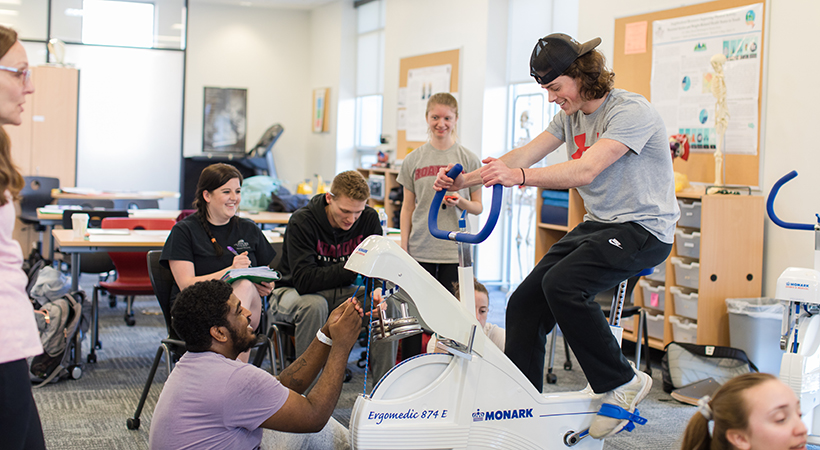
212,401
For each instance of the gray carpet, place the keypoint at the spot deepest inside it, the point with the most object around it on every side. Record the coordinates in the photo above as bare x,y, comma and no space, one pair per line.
90,413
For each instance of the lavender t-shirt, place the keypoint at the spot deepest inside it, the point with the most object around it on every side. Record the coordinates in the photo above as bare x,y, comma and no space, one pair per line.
212,402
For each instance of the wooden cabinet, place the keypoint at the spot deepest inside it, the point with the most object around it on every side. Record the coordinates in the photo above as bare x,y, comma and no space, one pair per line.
392,208
730,262
45,144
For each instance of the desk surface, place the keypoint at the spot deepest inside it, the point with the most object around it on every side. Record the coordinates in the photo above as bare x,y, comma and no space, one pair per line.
135,240
267,217
264,217
103,195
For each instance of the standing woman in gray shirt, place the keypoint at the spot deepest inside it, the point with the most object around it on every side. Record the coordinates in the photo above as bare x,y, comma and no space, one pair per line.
619,160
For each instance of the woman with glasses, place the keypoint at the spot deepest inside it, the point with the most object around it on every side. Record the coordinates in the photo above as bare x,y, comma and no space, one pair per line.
20,426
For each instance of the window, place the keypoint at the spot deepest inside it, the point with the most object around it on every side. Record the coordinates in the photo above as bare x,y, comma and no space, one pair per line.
369,78
127,24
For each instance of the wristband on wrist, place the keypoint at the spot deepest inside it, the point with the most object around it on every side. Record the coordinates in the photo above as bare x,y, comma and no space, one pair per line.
523,177
323,338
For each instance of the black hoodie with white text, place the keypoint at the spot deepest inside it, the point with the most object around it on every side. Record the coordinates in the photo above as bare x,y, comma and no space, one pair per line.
314,252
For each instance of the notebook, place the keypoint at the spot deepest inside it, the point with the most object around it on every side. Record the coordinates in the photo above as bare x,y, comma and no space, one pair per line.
693,392
255,274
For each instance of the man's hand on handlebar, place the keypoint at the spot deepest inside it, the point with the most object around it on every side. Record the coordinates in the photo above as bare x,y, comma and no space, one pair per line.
496,172
447,183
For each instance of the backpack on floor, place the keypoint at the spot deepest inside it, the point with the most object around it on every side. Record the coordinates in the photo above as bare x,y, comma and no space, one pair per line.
47,284
59,320
685,363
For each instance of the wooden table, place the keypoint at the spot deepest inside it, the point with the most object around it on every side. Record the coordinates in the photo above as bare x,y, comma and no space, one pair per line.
266,217
132,241
104,195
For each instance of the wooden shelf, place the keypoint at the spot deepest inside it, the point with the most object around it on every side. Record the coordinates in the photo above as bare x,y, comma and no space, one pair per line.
390,207
731,260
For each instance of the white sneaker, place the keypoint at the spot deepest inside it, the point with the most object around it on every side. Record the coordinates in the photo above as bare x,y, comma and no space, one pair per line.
627,397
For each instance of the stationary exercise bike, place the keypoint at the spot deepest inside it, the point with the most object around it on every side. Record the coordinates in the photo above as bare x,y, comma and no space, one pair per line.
799,288
473,396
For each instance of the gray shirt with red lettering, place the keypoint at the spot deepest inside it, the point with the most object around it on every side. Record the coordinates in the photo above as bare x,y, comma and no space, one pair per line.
417,175
640,186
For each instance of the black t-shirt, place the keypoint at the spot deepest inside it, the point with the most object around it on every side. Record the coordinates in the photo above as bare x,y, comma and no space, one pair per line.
188,241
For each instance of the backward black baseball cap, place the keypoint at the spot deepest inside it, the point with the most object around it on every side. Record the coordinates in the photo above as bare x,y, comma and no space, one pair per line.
553,54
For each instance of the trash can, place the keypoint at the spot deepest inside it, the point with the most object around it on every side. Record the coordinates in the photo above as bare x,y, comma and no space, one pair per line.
754,327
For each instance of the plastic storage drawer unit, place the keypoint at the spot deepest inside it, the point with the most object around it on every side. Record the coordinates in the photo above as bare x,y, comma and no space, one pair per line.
654,325
688,243
659,274
554,207
653,295
686,273
684,330
689,214
686,301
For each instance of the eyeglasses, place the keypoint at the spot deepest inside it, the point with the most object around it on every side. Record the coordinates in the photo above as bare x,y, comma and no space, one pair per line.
26,73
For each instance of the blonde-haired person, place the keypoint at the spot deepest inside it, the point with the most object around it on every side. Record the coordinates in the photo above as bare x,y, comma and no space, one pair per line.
482,308
20,425
753,411
417,175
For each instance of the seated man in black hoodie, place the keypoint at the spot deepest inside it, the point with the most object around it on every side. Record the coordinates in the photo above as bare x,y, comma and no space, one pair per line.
318,240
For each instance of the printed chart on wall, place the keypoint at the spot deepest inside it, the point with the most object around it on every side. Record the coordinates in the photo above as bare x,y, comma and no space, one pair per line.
421,84
682,75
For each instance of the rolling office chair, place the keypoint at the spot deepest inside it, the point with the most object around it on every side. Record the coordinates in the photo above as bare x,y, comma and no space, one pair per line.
35,194
132,274
614,313
162,282
279,333
86,203
94,263
136,204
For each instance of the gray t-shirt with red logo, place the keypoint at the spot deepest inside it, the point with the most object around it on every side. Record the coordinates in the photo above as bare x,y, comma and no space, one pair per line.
417,175
640,186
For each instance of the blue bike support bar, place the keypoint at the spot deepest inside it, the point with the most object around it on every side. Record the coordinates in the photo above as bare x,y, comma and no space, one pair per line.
432,218
770,205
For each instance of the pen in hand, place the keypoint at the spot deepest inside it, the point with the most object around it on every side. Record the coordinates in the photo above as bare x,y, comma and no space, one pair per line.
232,250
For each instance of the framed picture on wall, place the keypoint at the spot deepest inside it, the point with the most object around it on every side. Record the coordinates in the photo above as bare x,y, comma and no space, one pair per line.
224,123
320,102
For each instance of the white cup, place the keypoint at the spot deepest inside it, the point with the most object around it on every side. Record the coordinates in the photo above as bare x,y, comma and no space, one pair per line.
79,223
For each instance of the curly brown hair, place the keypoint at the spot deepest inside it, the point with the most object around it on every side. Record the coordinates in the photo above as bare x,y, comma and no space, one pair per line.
593,78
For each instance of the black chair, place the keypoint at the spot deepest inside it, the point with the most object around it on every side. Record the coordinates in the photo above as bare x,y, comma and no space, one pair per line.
614,313
162,280
136,204
86,203
279,333
99,262
35,194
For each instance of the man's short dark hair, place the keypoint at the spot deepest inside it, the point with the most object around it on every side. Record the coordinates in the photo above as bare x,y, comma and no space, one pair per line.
198,308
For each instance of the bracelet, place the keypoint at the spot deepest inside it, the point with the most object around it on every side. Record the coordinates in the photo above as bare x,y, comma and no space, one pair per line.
323,338
523,177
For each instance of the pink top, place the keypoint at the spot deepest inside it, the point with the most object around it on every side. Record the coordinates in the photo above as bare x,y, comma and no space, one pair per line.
19,337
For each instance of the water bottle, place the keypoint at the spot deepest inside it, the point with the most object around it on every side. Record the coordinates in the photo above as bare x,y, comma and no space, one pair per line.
383,221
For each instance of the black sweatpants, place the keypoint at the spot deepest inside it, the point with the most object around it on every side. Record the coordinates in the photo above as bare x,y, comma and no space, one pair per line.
20,426
561,289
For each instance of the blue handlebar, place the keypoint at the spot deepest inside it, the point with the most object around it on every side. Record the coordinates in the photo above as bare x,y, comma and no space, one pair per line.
770,205
435,206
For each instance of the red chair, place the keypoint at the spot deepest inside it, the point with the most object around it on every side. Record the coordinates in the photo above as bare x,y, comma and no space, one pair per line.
132,274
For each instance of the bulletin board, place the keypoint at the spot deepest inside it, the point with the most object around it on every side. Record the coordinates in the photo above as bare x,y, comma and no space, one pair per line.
451,57
633,71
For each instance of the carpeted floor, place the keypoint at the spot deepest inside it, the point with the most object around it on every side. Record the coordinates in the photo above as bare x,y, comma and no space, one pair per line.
91,413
